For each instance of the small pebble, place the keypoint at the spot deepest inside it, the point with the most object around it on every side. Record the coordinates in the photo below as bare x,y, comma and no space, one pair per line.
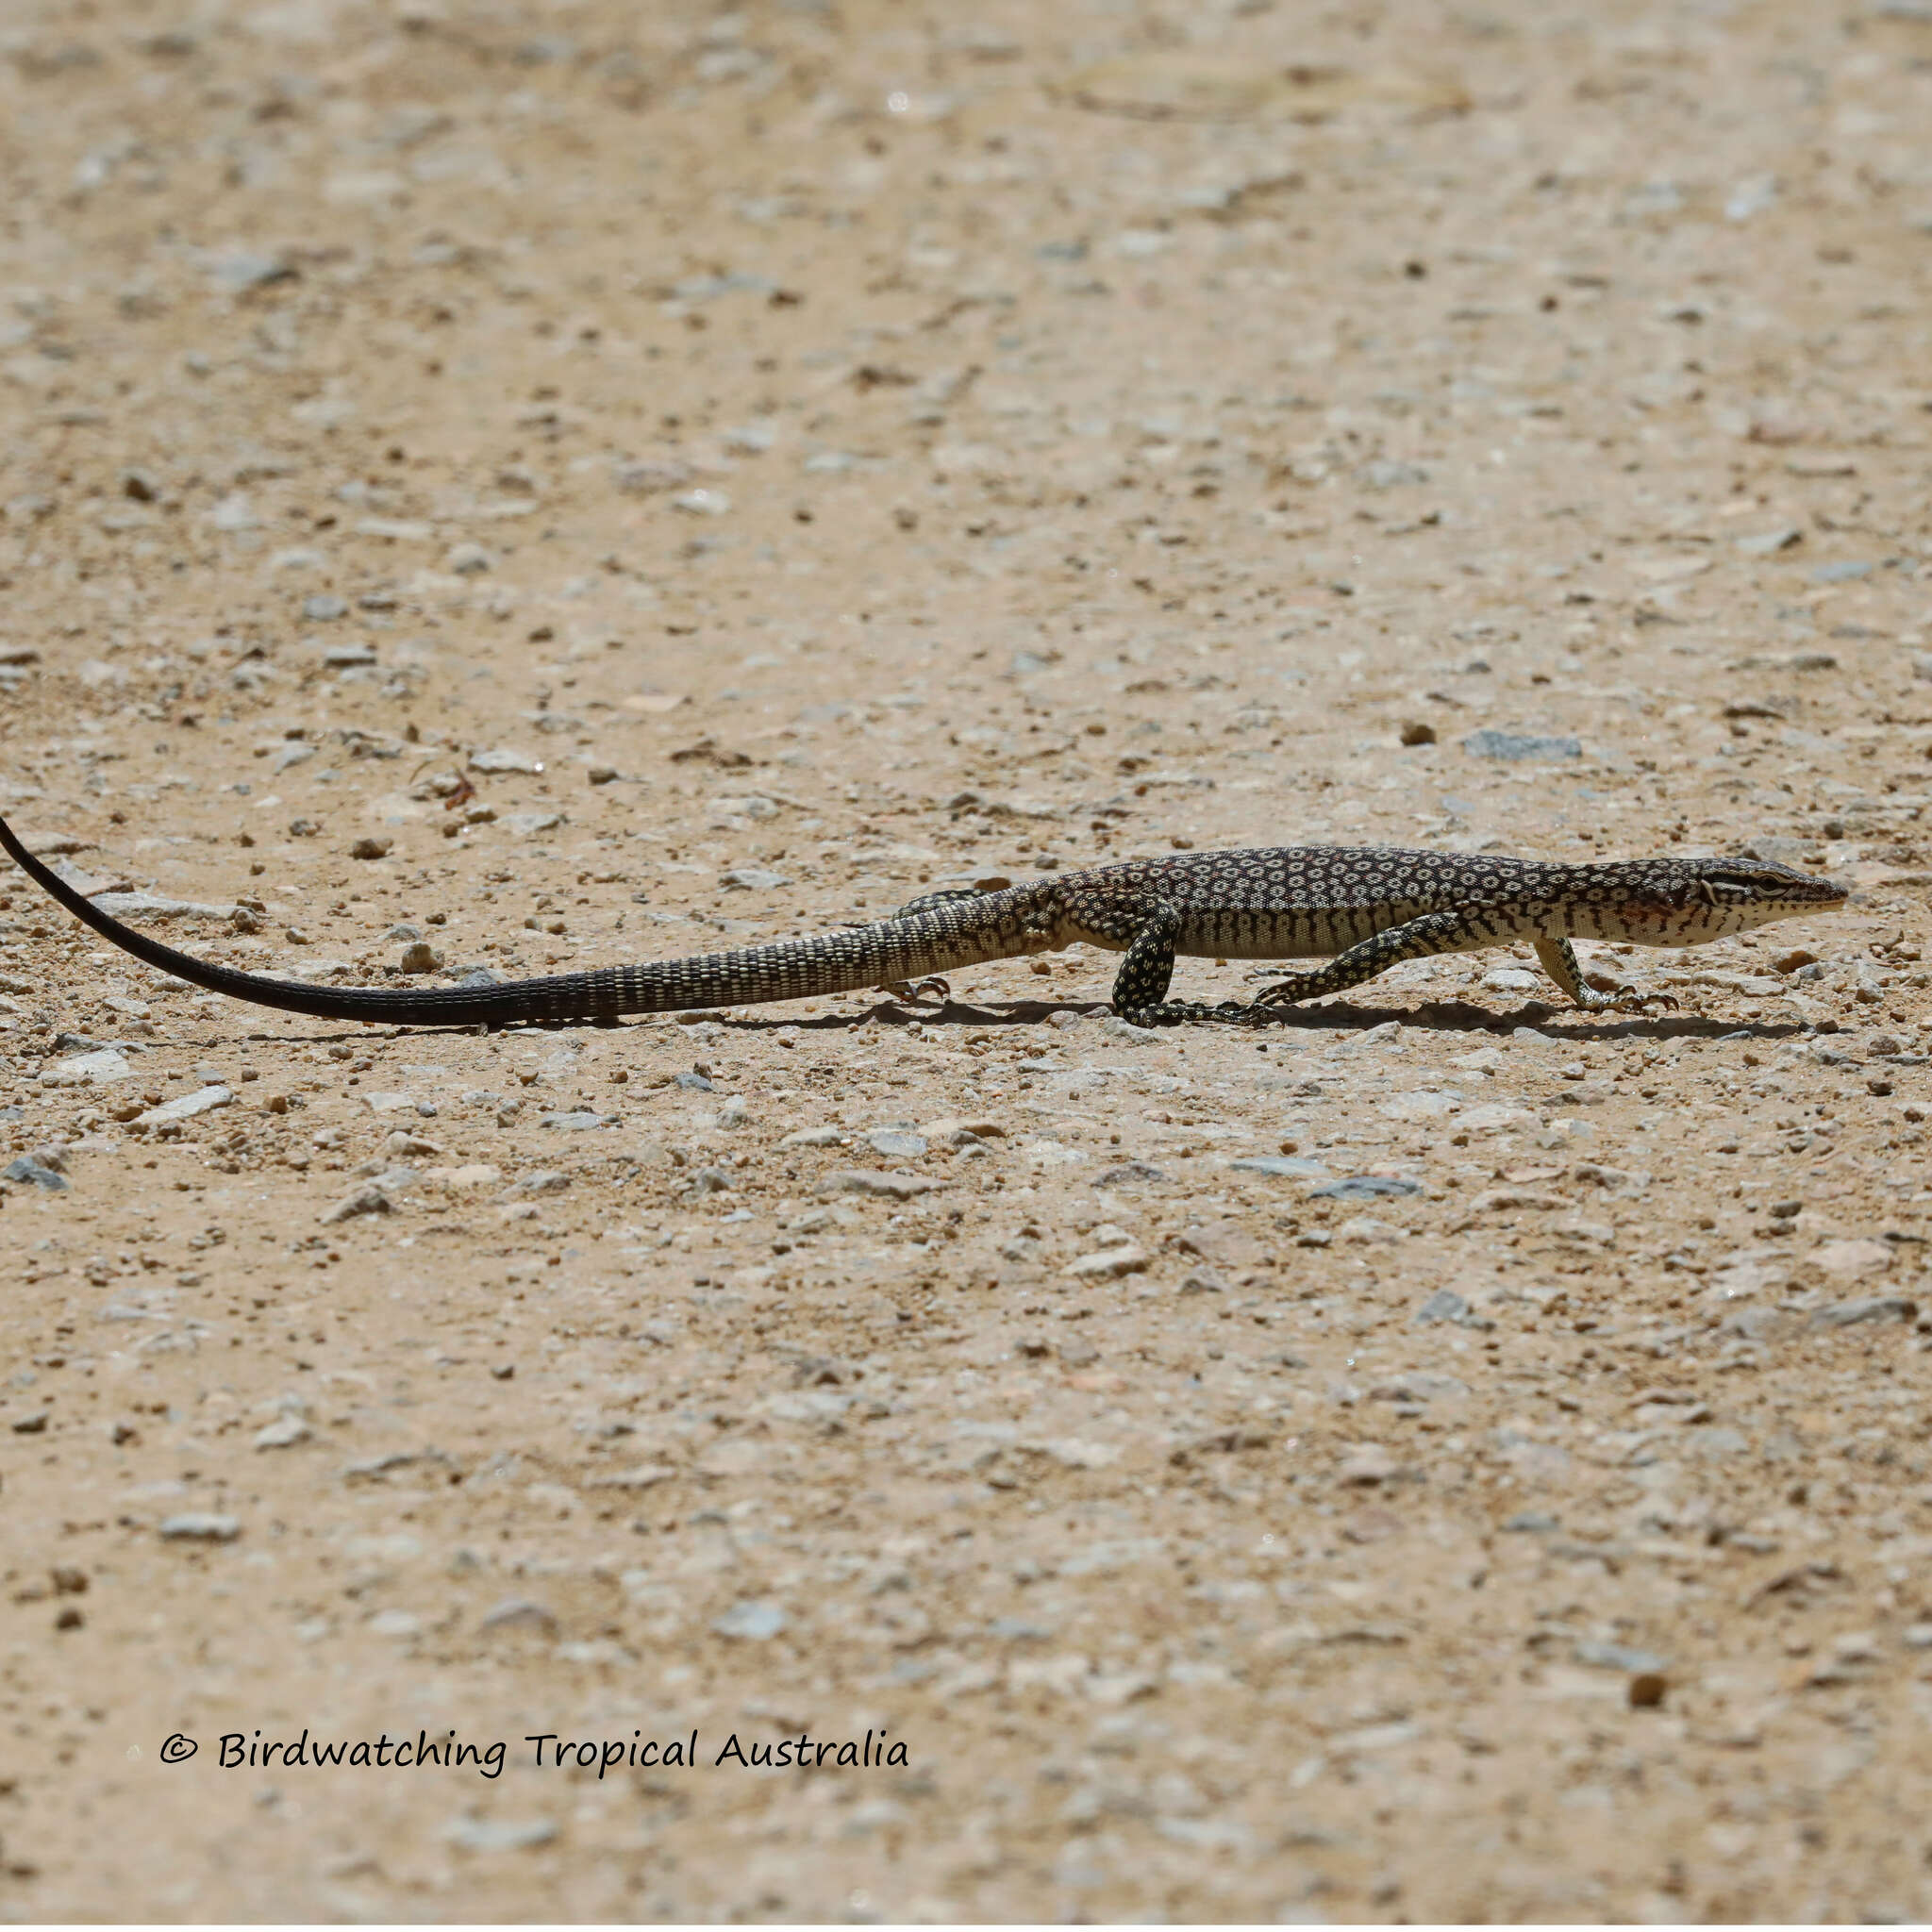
500,1834
751,1620
520,1613
200,1526
1647,1690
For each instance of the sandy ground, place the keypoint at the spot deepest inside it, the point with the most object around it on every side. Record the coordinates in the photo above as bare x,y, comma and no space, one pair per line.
659,478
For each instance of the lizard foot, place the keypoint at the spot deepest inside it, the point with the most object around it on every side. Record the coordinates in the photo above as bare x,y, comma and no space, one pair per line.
1190,1012
1626,998
1633,1001
1284,992
933,990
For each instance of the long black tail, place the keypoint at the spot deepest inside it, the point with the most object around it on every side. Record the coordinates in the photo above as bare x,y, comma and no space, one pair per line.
843,962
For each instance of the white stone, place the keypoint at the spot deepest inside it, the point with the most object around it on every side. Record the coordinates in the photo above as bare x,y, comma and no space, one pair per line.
204,1100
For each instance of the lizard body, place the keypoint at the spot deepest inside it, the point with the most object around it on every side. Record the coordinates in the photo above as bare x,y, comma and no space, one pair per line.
1362,908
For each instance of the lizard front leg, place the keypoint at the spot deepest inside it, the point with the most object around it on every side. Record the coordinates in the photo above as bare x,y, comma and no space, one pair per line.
1559,958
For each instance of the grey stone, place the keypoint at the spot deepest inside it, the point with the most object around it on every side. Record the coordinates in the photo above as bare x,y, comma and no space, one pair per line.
1779,851
1515,747
500,1834
1769,542
1877,1308
520,1613
1619,1657
750,878
1445,1305
504,759
1366,1187
1284,1166
1531,1523
95,1069
236,271
578,1122
186,1106
646,477
751,1620
892,1187
899,1144
1128,1172
148,904
367,1199
36,1174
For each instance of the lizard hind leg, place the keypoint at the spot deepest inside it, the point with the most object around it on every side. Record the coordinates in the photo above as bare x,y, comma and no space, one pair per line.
1140,988
1416,938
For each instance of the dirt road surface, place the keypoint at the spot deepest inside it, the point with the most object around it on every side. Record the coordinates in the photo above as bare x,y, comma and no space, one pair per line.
531,485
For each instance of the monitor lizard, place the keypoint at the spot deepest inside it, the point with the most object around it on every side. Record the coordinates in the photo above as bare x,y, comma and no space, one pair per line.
1362,909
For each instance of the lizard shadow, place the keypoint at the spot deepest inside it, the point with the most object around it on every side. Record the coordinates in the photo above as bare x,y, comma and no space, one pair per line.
1343,1016
1340,1016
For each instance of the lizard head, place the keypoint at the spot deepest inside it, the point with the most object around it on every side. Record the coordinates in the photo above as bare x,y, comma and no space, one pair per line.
1698,899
